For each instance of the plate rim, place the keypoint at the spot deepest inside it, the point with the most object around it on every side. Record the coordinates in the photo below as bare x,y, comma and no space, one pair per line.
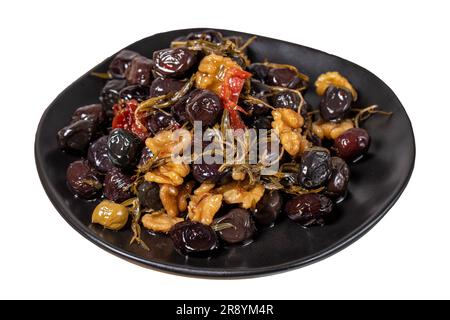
202,272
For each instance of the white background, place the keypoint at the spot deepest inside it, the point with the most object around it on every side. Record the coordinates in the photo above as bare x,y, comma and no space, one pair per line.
45,45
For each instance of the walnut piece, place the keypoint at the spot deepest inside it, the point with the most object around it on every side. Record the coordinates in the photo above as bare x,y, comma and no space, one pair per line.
334,78
166,142
159,221
204,204
235,193
169,173
211,72
169,196
287,125
331,130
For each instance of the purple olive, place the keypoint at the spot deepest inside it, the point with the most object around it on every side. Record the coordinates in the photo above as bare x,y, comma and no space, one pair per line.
268,208
243,228
148,195
121,62
162,86
352,144
98,155
259,71
309,209
174,63
204,106
136,92
140,71
315,168
161,121
92,112
335,104
76,136
110,93
191,237
283,77
117,185
83,180
340,174
286,99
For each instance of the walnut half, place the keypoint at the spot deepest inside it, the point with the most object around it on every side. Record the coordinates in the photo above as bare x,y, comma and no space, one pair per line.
334,78
159,221
287,125
204,204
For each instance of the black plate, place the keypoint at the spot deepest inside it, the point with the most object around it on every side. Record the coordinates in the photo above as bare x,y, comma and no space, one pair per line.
376,182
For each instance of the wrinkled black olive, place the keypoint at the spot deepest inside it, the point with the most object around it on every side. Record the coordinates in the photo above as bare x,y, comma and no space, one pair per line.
178,110
285,99
259,71
175,63
92,112
117,185
352,144
161,86
207,35
204,106
160,121
340,174
191,237
148,195
140,71
146,155
315,168
259,89
111,92
254,108
98,155
206,172
268,208
260,122
243,226
83,180
309,209
76,136
124,148
283,77
121,62
137,92
335,103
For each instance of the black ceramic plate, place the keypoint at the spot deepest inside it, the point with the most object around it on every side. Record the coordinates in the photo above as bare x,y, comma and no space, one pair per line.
376,182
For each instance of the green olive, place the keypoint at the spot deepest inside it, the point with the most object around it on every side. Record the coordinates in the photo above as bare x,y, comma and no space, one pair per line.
111,215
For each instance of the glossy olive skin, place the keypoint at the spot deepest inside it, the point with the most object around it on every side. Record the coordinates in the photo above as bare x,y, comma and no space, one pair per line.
121,62
309,209
206,172
140,71
282,77
204,106
207,35
174,63
352,144
83,180
136,92
243,226
286,99
76,136
191,237
110,93
117,185
260,122
315,168
92,112
148,195
124,148
255,108
161,121
98,155
335,104
268,208
178,110
258,88
110,215
259,71
162,86
340,175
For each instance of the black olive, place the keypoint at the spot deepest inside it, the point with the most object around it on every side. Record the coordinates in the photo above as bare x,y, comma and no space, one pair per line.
259,89
146,155
283,77
76,136
140,71
92,112
285,99
260,122
160,121
121,62
207,35
191,237
136,92
161,86
124,148
204,106
352,144
335,104
98,155
148,195
315,168
243,226
117,185
110,93
206,172
175,63
254,108
268,208
178,110
83,180
259,71
309,209
340,174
